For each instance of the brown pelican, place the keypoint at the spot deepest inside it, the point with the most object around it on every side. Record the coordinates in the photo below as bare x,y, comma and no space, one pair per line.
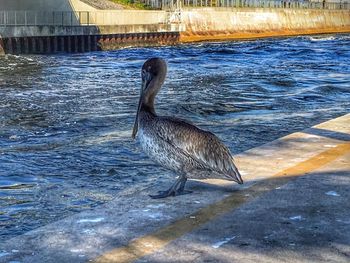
176,144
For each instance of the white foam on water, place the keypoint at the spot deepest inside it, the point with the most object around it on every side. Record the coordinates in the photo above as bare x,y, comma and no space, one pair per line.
4,253
76,250
91,220
322,38
89,231
156,206
108,137
299,217
338,75
332,193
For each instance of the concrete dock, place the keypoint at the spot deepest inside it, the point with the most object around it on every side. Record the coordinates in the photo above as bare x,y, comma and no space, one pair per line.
293,207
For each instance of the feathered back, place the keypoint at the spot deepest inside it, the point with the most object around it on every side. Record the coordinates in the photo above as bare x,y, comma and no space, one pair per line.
204,148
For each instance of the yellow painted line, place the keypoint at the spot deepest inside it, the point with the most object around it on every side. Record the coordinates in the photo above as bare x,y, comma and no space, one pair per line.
149,244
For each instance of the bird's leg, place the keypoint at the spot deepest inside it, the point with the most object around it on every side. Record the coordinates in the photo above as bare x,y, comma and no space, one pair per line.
182,183
170,192
181,190
174,189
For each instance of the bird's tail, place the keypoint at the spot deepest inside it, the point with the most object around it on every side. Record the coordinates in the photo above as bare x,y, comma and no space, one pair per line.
233,173
238,176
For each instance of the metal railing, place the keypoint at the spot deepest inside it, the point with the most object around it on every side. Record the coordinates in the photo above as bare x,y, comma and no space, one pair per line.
45,18
82,18
165,4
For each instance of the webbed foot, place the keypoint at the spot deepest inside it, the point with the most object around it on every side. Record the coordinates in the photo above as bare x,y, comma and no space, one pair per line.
163,194
170,192
176,189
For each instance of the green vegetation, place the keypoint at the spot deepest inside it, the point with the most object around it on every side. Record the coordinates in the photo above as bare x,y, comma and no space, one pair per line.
131,4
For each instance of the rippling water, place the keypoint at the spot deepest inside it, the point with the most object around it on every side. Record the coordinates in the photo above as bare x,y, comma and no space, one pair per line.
66,120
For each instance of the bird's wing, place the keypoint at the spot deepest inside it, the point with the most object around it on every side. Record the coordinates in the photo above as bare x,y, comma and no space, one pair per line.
202,146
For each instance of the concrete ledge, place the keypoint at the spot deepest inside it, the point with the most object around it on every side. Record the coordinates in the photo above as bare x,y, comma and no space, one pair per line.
45,31
134,226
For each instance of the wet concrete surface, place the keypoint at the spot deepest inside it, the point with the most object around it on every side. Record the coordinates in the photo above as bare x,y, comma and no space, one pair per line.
306,220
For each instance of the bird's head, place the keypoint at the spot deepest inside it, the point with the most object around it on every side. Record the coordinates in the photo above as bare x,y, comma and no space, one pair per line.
153,75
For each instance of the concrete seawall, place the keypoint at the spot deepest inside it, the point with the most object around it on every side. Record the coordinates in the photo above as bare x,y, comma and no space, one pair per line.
224,24
28,32
84,43
79,31
34,39
49,26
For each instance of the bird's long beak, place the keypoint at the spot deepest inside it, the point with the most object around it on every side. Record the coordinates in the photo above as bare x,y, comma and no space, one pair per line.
136,123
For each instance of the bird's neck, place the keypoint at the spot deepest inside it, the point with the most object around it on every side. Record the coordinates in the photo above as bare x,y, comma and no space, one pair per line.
148,98
148,107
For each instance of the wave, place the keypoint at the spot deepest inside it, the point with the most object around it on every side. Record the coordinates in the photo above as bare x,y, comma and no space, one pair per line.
322,38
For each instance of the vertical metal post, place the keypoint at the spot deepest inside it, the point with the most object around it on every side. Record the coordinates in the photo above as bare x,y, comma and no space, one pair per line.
55,44
25,45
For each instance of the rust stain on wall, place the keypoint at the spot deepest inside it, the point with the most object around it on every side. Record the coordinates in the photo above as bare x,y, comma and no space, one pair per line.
187,36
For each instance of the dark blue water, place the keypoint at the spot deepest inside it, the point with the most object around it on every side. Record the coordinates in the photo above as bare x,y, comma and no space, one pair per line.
66,120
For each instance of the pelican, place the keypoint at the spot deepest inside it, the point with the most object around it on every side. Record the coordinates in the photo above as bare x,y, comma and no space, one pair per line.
176,144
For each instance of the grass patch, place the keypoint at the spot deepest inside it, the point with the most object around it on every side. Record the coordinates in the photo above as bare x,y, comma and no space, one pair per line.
131,4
